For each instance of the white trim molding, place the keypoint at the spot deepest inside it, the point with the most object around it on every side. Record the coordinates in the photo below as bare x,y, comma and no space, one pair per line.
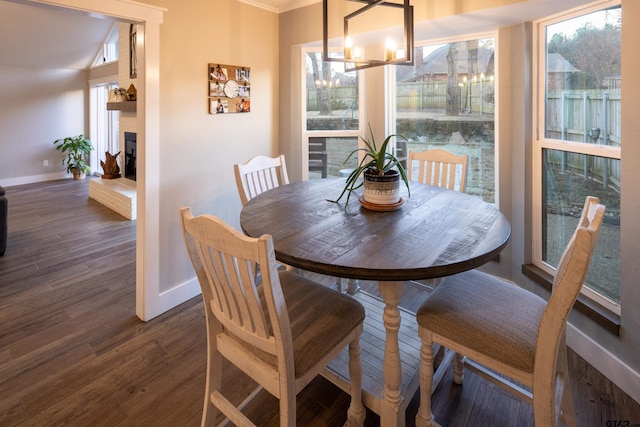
10,182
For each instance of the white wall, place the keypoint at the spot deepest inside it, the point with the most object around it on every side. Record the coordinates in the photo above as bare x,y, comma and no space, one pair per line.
38,106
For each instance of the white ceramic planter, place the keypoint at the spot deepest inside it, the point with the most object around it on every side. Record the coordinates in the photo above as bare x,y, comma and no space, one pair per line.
382,189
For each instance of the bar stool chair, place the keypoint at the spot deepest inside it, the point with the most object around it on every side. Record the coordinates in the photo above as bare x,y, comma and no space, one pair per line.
258,175
505,329
281,332
440,168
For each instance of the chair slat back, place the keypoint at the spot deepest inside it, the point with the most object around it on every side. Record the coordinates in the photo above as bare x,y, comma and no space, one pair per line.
570,275
260,174
225,262
440,168
574,263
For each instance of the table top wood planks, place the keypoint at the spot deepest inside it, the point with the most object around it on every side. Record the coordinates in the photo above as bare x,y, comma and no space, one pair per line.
435,233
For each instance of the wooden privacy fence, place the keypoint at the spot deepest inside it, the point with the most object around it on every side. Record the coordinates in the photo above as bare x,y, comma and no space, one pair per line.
341,97
473,97
572,115
590,117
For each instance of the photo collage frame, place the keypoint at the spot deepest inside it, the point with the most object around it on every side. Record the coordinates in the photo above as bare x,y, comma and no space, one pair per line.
229,89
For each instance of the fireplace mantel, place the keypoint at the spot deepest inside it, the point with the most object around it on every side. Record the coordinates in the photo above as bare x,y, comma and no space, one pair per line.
126,106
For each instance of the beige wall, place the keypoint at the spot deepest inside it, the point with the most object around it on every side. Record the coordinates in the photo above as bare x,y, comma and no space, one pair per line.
198,150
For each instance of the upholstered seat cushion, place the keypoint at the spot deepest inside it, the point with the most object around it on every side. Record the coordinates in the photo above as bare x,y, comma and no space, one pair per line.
307,302
486,314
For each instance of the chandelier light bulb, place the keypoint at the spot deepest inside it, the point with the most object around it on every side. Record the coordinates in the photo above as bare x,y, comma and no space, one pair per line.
348,48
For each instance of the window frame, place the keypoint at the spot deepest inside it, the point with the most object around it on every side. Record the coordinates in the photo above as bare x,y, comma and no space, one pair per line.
108,52
103,124
307,134
541,142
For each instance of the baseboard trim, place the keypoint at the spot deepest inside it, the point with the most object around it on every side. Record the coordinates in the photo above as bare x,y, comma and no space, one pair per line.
173,297
9,182
617,371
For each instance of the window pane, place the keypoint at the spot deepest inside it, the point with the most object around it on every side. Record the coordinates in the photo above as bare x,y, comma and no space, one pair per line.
104,134
568,178
327,156
446,100
332,95
583,78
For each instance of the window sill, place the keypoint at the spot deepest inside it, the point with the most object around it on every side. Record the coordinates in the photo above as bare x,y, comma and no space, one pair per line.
601,316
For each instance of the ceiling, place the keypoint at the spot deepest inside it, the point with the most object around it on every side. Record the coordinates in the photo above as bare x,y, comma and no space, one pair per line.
70,40
55,38
66,39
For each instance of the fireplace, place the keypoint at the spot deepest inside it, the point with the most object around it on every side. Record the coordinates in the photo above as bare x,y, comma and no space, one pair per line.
130,154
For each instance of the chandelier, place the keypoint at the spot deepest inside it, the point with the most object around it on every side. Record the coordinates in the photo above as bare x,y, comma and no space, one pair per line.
384,51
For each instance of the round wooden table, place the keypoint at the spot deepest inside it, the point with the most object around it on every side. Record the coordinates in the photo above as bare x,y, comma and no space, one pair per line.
435,233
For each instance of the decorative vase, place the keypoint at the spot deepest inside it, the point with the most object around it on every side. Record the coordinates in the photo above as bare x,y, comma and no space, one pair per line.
382,189
117,95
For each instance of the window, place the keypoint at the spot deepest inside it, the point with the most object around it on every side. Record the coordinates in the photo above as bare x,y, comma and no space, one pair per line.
332,116
109,51
104,124
577,149
447,101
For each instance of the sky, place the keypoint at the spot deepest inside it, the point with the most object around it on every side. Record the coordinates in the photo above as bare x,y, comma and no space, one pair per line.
597,19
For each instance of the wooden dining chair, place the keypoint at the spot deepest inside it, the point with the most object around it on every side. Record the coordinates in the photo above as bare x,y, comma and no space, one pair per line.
440,168
260,174
508,331
281,332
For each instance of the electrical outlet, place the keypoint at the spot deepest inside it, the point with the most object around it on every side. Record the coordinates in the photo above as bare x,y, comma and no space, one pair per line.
45,163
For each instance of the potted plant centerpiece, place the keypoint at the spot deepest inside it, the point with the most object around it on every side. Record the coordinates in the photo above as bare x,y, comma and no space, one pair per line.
381,172
77,149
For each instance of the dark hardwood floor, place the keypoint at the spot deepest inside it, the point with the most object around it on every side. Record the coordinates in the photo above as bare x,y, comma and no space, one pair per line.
73,352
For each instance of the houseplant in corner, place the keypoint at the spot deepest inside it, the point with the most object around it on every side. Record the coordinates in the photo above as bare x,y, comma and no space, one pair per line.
381,173
77,149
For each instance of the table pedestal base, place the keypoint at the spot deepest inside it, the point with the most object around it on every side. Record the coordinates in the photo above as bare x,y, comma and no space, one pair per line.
390,358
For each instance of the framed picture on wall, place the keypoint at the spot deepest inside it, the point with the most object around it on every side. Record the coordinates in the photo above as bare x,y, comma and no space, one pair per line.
133,62
229,88
216,88
218,106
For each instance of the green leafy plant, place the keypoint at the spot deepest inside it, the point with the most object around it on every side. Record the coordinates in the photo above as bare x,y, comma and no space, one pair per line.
375,161
77,149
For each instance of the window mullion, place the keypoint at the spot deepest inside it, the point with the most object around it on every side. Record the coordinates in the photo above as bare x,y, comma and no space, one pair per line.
611,152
